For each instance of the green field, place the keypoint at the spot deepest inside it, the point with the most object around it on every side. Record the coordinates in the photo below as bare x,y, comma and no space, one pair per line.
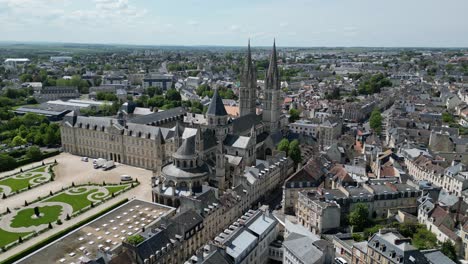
40,169
80,200
24,218
8,237
17,184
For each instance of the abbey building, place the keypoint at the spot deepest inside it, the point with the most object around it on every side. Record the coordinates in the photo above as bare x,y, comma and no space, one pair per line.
199,151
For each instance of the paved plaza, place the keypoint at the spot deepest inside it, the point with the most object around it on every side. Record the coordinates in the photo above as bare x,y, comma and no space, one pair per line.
70,169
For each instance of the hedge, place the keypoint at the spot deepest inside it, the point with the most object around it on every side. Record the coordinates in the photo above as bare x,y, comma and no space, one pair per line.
60,234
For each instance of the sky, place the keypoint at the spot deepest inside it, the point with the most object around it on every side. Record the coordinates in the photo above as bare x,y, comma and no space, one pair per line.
299,23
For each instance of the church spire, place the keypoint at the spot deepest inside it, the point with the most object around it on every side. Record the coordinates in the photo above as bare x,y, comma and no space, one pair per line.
272,78
248,86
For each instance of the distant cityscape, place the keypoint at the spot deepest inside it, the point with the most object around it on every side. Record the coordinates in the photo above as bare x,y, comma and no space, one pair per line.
237,155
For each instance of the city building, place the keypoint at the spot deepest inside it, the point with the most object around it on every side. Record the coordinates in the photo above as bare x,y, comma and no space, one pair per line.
163,81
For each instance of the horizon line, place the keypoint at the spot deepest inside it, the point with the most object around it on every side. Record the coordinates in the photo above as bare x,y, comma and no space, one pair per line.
3,42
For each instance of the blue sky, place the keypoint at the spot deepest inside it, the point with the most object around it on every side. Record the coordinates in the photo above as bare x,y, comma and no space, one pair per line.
427,23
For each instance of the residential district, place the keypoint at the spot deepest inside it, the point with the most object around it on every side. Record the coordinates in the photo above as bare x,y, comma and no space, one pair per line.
219,155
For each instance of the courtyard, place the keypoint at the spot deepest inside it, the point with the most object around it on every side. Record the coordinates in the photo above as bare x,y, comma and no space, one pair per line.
57,208
69,170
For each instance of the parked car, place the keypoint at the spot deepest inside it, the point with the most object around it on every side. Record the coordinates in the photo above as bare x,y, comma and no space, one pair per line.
85,159
125,178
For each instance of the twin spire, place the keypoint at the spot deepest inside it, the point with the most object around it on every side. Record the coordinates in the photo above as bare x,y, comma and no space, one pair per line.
272,76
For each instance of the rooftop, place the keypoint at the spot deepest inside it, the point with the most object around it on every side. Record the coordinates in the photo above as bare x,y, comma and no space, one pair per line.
103,234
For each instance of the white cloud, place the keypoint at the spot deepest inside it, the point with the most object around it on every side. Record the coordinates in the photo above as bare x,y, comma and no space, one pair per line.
234,27
193,23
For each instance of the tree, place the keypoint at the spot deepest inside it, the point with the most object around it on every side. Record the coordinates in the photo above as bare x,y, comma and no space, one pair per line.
34,153
375,121
448,248
424,239
294,115
284,145
135,239
7,162
294,151
447,117
358,217
374,84
36,211
173,95
18,141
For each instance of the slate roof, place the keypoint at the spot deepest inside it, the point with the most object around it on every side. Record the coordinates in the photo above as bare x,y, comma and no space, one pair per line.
236,141
301,247
437,257
216,257
159,116
216,107
245,123
404,249
187,149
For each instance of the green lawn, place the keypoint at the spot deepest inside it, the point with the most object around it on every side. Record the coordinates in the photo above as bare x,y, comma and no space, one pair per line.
80,201
114,189
40,169
17,184
8,237
50,214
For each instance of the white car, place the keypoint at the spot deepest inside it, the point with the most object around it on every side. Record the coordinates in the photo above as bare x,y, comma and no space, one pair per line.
85,159
125,178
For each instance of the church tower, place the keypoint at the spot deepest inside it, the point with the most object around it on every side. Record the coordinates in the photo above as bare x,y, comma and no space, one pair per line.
248,86
271,97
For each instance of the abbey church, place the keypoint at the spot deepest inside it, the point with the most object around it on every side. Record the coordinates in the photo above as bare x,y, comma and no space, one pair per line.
211,150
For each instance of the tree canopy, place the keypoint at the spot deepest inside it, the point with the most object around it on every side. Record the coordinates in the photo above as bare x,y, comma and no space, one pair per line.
373,84
358,217
294,115
34,153
448,248
375,121
294,151
284,145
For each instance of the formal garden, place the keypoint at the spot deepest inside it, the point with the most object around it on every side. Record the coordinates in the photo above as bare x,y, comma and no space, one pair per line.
47,212
26,180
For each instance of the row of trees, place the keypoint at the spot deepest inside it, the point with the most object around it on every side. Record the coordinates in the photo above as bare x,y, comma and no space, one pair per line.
225,92
375,121
171,99
7,162
292,149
